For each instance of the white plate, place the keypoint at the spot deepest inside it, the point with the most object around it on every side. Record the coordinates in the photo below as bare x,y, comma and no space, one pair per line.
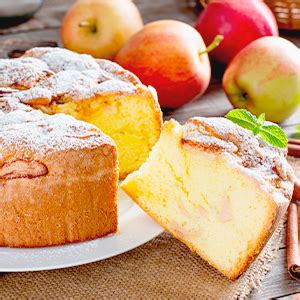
135,229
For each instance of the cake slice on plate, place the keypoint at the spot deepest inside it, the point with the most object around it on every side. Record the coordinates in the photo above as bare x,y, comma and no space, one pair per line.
216,187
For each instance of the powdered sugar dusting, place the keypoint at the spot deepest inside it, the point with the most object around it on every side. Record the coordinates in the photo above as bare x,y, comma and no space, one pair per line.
69,84
58,59
11,104
115,71
45,75
23,72
54,75
35,95
28,132
117,85
242,149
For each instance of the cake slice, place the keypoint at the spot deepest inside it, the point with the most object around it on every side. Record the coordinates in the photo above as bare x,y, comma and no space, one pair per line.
98,91
58,178
216,187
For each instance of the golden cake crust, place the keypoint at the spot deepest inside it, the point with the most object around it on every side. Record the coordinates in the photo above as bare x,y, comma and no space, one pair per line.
58,178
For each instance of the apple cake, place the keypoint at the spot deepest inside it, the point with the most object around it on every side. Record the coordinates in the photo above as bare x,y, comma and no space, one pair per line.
97,91
58,175
216,187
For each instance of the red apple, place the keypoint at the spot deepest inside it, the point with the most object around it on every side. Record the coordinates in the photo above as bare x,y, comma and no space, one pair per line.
170,56
240,22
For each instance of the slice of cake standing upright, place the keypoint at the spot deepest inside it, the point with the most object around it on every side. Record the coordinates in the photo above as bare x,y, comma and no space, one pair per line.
216,187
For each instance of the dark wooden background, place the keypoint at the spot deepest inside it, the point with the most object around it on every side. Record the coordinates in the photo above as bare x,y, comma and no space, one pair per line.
44,30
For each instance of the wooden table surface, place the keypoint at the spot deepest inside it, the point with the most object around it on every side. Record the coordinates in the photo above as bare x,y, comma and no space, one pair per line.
44,30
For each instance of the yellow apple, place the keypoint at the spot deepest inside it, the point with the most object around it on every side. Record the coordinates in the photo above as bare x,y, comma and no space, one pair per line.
100,27
265,78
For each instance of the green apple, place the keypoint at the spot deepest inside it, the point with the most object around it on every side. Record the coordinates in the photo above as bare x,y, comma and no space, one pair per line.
265,78
100,27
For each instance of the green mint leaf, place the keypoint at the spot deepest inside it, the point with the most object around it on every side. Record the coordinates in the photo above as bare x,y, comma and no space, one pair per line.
243,118
256,130
274,135
298,128
269,132
261,119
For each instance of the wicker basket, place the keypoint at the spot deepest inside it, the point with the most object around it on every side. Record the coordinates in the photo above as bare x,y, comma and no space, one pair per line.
287,12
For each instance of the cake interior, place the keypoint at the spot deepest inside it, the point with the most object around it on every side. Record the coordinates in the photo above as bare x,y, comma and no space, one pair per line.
218,211
133,124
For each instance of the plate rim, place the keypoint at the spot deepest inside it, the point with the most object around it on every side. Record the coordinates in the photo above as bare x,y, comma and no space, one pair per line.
133,212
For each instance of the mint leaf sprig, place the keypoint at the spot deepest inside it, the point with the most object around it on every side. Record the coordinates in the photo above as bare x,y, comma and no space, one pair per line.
268,131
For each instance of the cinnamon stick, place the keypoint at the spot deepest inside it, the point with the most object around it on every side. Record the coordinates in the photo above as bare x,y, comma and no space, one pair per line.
294,141
293,254
293,245
294,150
296,194
293,259
294,147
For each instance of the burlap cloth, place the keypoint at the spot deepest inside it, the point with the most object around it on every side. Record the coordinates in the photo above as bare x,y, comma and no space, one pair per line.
162,268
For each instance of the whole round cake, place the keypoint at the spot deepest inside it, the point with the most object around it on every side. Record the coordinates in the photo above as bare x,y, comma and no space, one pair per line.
59,175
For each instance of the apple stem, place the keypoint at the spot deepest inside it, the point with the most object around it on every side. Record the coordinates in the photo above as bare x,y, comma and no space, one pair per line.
215,43
88,24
